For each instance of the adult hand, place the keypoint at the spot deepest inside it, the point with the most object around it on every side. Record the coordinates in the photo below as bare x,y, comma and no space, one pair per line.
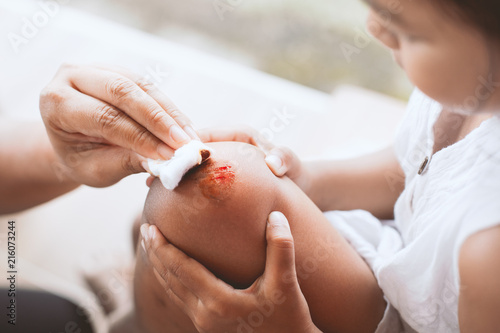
274,302
102,123
281,160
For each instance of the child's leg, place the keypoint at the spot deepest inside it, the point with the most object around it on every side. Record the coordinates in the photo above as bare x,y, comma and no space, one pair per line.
340,289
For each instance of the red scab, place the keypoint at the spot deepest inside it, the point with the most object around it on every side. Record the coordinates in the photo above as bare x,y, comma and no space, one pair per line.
217,181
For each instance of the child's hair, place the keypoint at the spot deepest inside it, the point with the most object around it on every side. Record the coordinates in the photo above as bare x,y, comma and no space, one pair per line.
483,14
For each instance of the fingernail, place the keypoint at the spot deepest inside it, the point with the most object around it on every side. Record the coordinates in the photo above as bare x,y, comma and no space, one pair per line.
278,219
144,231
178,135
191,132
274,162
143,245
151,232
165,151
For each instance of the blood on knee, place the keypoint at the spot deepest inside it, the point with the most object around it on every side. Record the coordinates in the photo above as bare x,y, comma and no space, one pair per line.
215,179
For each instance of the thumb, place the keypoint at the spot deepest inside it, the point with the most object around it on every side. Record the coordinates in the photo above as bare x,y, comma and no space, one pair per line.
104,167
134,163
280,258
282,160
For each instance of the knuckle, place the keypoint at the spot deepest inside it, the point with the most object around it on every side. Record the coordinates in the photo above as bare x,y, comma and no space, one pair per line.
51,97
174,112
283,241
50,103
120,88
106,117
287,154
128,165
164,273
176,269
156,114
146,85
141,138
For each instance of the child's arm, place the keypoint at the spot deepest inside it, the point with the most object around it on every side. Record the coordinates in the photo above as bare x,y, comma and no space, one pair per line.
372,183
479,264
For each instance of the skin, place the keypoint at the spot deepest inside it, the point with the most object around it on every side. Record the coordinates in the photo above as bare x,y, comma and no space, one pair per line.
101,122
448,60
228,237
27,172
444,58
372,183
425,43
479,267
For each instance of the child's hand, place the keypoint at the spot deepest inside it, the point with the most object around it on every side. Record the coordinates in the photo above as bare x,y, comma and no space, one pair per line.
284,162
281,160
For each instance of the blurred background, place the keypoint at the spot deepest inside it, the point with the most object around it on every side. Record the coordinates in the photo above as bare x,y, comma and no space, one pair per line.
297,40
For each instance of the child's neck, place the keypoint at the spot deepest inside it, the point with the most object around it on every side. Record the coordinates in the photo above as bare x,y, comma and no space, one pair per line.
452,127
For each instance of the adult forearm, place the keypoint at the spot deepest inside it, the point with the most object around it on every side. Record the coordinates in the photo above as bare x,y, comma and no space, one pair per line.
28,167
372,183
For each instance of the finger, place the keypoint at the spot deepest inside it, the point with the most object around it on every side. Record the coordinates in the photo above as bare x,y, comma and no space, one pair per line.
184,297
80,113
193,275
127,96
116,127
282,160
150,181
171,295
165,102
188,310
106,166
280,257
243,134
177,292
218,134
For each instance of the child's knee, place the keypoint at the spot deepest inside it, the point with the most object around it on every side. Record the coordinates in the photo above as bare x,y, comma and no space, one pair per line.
218,213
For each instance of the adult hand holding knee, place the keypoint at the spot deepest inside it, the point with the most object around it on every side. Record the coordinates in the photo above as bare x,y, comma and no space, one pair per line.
102,123
274,302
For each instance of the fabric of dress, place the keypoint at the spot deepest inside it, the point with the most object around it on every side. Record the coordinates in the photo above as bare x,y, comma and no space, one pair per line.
415,259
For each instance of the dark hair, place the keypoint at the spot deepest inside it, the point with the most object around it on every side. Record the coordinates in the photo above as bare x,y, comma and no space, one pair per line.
483,14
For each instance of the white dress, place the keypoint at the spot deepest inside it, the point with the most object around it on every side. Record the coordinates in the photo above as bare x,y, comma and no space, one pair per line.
415,260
